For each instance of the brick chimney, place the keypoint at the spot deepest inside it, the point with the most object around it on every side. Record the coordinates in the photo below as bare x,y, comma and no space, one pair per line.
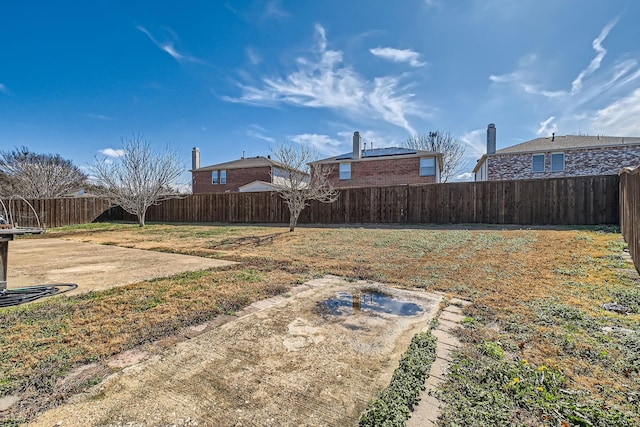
491,139
357,147
195,158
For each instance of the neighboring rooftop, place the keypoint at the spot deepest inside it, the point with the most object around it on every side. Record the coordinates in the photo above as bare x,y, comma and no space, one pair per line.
247,162
379,152
562,142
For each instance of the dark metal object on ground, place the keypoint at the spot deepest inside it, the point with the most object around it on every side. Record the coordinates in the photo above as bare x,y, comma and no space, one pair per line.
13,297
7,235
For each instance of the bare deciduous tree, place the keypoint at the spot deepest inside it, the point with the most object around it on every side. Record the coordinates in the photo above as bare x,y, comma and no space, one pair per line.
139,178
33,175
299,182
441,142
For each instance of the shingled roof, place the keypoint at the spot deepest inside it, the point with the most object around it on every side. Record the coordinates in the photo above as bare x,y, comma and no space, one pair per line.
385,152
248,162
563,142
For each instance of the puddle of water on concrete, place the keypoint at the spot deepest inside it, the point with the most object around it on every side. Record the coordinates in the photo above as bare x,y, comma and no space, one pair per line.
369,300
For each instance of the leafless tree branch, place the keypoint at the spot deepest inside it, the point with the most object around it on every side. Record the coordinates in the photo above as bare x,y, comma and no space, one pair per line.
441,142
32,175
138,179
300,183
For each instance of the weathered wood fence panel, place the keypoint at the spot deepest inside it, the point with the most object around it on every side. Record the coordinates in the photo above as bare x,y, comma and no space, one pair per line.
557,201
58,212
630,211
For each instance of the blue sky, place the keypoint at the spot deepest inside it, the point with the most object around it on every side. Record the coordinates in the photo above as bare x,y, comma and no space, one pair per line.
233,76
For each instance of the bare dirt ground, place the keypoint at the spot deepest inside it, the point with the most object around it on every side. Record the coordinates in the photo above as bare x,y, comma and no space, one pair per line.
291,364
93,267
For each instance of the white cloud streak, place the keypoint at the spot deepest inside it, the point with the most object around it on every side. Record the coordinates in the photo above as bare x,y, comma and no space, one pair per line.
254,57
169,47
257,132
325,82
600,100
547,127
110,152
3,88
322,143
475,141
619,118
576,85
398,55
476,144
466,176
274,10
98,116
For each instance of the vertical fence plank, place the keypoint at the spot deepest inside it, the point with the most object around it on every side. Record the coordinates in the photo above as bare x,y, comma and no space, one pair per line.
629,205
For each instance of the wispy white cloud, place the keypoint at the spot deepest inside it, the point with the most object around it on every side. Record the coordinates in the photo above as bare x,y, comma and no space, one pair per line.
322,143
598,100
576,85
466,176
324,81
370,139
110,152
3,88
619,118
98,116
169,46
475,142
548,93
476,146
258,132
254,57
521,78
547,126
398,55
393,106
273,9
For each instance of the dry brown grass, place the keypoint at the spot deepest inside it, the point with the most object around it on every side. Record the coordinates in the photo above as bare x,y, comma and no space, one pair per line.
508,274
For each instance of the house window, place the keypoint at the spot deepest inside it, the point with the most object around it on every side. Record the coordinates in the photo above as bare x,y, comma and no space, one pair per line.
557,162
537,161
219,177
345,170
428,166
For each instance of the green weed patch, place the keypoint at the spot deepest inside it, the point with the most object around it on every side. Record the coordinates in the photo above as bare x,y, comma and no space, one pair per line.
394,404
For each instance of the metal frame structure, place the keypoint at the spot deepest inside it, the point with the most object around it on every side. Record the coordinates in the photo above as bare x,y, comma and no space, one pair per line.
8,232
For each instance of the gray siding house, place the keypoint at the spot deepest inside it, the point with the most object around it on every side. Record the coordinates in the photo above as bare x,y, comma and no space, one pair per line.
557,156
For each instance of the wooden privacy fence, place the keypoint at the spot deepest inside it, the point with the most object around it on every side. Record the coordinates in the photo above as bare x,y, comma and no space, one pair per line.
556,201
630,211
57,212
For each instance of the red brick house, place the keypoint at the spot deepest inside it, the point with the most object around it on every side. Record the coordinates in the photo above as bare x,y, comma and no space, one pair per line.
557,156
383,166
246,174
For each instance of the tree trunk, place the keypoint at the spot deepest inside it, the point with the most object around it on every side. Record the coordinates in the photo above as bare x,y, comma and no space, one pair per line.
293,219
141,219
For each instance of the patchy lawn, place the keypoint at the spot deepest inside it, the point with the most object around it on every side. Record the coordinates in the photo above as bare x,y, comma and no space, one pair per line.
539,349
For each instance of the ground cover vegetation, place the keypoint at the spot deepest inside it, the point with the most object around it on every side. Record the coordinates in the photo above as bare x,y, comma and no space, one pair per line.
394,404
538,348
